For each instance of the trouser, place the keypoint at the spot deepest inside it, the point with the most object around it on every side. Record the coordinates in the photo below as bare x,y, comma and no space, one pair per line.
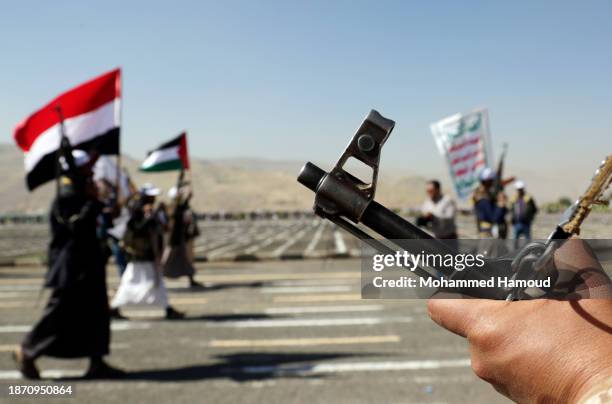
120,259
523,229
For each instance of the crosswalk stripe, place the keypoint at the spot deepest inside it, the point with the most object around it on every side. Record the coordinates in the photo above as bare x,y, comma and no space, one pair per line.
308,369
282,248
242,343
241,241
339,243
12,295
45,374
188,300
321,309
315,239
314,282
204,246
267,241
310,322
274,276
16,284
317,298
306,289
16,304
358,367
115,326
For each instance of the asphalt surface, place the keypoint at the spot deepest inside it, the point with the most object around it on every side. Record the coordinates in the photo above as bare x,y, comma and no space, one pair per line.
281,320
274,332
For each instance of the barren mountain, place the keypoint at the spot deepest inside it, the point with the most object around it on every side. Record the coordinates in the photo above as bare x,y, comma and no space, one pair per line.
248,183
241,184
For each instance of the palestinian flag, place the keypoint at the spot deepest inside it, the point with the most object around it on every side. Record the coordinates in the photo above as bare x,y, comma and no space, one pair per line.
171,155
92,119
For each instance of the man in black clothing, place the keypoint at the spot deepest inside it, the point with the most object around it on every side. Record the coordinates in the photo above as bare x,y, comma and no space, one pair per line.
523,209
75,323
177,261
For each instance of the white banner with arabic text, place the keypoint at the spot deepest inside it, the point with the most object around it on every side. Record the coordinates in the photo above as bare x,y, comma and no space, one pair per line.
465,141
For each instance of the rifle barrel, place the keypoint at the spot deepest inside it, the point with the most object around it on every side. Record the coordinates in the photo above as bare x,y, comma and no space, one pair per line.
404,234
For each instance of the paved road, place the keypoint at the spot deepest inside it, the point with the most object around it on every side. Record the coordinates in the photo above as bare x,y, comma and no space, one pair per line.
274,332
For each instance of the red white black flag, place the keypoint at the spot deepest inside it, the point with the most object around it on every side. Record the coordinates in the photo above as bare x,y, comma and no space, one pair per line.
91,113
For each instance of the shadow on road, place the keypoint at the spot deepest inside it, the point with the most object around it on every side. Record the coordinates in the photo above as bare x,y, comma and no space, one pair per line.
230,317
238,367
218,286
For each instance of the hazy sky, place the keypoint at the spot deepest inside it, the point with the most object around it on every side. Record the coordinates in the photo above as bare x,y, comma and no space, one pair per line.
292,80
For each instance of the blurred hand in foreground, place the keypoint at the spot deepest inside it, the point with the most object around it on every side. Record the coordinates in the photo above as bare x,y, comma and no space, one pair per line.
538,350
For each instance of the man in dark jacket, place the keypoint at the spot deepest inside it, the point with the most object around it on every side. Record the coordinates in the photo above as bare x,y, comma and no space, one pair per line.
489,208
524,210
75,322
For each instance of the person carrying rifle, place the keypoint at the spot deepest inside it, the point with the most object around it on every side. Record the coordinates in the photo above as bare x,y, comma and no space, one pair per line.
142,283
76,320
176,260
489,206
111,210
524,209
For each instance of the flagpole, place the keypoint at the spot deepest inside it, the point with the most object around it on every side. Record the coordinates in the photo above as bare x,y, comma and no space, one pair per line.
179,183
119,201
58,167
190,177
118,173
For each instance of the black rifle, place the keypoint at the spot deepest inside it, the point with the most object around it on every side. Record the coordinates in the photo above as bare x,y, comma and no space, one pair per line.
346,200
498,185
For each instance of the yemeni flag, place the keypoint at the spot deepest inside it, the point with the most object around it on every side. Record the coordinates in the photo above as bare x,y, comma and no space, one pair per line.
171,155
92,116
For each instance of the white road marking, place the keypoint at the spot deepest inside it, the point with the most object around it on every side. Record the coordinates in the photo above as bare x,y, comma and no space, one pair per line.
115,326
358,367
309,322
218,242
45,374
239,242
267,241
245,343
140,313
129,325
33,282
322,309
285,246
315,282
318,298
339,243
188,300
306,289
315,239
319,368
271,276
11,304
9,295
21,287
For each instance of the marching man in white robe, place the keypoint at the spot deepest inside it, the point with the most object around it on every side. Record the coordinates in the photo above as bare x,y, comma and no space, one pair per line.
142,282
